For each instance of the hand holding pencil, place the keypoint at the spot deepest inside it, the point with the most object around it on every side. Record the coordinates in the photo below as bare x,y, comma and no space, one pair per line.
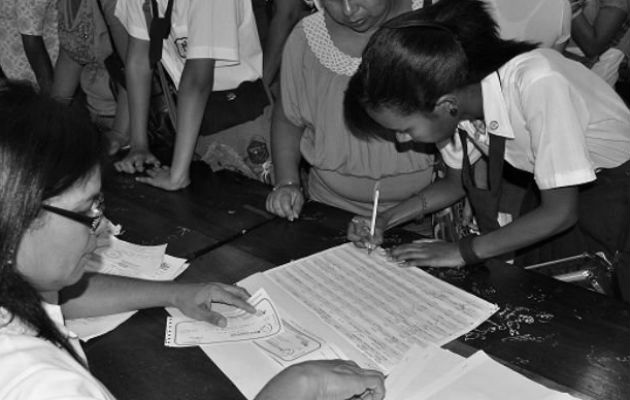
367,232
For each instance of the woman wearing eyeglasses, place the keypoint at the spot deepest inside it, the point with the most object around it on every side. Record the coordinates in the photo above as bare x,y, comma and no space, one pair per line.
50,216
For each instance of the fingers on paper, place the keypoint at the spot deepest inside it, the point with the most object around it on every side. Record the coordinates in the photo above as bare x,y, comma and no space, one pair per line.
363,383
230,294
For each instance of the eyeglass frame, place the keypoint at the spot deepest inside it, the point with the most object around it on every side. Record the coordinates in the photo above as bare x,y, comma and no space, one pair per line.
91,222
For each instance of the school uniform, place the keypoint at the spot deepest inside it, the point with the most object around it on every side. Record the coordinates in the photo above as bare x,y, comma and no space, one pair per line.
563,124
223,30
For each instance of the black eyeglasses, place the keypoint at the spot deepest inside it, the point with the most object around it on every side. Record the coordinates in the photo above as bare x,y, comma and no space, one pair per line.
92,221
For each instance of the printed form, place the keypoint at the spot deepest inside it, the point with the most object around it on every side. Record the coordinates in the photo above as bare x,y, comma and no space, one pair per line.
368,309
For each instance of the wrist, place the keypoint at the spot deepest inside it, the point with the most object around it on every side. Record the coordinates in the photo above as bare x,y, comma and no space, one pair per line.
467,251
287,183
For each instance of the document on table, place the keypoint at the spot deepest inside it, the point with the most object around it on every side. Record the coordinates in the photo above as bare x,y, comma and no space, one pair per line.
480,377
182,331
369,308
125,259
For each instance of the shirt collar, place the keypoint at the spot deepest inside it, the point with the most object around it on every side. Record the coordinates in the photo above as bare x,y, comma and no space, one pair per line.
494,108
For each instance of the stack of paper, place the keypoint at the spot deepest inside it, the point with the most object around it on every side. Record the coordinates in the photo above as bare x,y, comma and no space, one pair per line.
344,303
125,259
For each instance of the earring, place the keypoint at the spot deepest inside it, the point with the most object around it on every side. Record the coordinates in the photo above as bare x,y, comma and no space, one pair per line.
453,111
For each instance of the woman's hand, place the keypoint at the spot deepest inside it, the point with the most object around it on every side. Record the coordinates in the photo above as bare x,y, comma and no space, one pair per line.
325,380
195,300
135,161
286,201
359,232
428,253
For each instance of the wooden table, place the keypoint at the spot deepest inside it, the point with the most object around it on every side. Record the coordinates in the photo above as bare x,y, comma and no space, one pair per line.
556,333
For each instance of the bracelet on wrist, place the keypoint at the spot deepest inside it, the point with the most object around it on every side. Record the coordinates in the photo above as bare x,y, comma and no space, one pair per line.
465,246
287,184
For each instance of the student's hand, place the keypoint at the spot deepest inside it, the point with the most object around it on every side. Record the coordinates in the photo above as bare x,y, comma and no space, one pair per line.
325,380
195,300
428,253
286,202
135,161
359,232
162,178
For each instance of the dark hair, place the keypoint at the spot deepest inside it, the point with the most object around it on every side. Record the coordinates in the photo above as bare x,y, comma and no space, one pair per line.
45,148
419,56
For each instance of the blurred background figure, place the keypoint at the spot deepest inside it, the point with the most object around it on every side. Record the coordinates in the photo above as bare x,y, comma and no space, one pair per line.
547,22
600,32
28,40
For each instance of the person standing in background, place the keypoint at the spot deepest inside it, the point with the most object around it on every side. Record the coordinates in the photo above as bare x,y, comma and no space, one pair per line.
601,34
29,43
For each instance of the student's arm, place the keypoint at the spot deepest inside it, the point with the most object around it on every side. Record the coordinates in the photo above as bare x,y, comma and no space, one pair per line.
286,14
194,89
39,59
99,294
557,212
595,39
138,78
287,199
435,197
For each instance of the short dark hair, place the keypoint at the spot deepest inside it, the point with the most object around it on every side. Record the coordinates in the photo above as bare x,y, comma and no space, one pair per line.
419,56
45,149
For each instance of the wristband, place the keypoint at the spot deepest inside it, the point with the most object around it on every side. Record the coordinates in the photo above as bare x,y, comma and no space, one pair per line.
466,250
286,184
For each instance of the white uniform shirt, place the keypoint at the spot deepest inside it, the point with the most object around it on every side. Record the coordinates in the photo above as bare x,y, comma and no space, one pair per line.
547,22
34,368
561,121
224,30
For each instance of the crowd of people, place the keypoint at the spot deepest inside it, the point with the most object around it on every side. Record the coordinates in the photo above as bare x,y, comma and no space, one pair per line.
432,100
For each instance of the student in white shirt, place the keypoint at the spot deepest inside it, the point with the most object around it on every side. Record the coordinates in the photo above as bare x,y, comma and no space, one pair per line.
213,45
50,215
444,69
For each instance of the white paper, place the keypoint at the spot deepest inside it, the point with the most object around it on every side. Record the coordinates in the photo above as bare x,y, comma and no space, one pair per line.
481,378
125,259
381,308
128,259
419,367
295,345
182,331
369,308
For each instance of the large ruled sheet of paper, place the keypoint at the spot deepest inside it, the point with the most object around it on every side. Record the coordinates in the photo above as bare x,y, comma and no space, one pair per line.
381,308
365,307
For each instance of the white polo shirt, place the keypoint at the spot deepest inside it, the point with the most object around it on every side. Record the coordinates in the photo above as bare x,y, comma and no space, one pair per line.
224,30
34,368
561,121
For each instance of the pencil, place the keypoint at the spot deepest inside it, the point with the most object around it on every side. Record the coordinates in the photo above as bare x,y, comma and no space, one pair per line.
374,213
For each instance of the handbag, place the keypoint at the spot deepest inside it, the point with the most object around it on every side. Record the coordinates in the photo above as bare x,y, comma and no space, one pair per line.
228,108
224,109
